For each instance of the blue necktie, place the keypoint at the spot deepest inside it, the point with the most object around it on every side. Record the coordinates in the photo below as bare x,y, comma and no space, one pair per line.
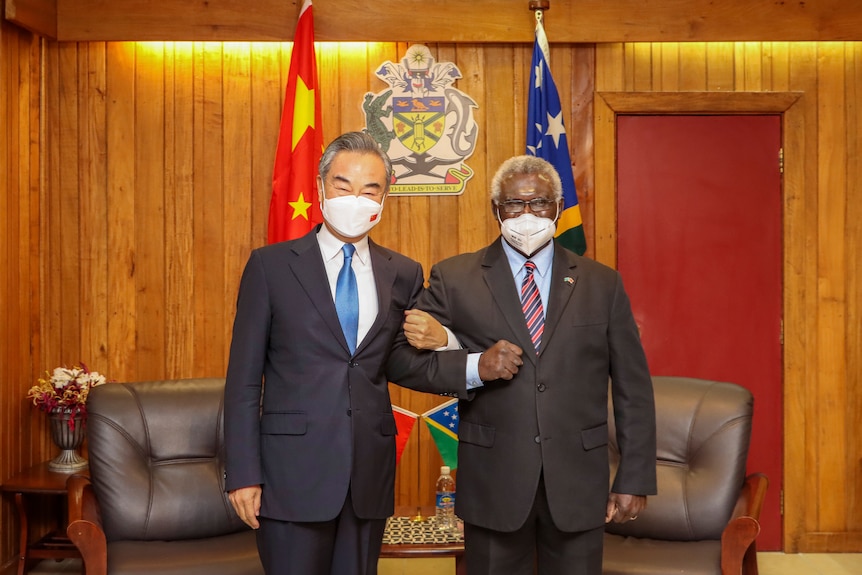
347,298
531,301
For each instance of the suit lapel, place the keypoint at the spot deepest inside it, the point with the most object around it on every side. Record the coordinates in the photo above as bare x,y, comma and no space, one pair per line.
564,278
310,272
384,278
498,278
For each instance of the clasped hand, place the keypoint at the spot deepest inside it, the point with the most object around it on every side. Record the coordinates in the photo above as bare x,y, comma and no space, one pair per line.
423,331
500,361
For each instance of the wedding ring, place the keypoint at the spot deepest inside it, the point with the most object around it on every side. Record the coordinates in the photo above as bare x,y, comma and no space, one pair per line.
633,517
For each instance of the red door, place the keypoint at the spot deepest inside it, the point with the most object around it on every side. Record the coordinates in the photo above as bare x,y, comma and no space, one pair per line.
699,249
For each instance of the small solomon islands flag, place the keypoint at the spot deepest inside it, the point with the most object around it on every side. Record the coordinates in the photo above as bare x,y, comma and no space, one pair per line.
442,422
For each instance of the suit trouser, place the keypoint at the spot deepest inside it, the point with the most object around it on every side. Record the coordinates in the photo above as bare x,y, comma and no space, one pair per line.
346,545
537,547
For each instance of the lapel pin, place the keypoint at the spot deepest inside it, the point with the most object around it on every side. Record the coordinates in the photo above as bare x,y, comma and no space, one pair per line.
569,280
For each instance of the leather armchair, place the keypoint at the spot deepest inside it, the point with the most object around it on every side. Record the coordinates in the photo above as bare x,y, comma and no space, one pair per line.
704,520
155,501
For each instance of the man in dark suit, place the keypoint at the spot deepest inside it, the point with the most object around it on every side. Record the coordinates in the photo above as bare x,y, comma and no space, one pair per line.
543,331
309,430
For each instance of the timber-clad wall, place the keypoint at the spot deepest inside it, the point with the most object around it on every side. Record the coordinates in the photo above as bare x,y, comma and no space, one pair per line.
135,179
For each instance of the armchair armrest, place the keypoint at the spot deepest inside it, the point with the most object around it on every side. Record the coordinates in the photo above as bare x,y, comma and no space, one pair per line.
751,496
85,525
738,548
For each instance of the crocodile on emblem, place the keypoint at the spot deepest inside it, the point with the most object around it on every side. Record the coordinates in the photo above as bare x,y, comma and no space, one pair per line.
374,111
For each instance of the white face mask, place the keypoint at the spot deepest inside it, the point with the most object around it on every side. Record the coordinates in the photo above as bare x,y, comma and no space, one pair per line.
527,233
351,216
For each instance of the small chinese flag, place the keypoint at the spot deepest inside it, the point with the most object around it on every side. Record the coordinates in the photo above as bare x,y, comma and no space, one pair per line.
293,208
404,422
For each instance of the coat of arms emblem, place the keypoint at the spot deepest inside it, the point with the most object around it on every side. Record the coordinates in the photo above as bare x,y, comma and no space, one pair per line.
423,123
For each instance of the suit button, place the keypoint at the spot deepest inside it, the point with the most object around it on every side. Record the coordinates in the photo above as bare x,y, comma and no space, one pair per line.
349,412
537,439
541,387
353,364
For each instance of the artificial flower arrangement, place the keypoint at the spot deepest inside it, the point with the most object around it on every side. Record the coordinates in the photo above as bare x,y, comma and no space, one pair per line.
66,390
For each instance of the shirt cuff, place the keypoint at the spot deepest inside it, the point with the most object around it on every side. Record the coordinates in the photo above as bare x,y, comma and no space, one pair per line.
452,342
473,379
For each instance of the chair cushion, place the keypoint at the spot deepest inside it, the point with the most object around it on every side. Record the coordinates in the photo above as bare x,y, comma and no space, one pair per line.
157,461
703,430
234,554
632,556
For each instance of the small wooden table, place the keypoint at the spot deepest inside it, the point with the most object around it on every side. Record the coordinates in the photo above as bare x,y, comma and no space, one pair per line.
41,481
424,550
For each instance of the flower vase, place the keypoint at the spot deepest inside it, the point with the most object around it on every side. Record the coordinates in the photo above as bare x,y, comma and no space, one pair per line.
67,431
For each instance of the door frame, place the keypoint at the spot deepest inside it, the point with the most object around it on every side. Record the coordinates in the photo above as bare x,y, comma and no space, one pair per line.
797,233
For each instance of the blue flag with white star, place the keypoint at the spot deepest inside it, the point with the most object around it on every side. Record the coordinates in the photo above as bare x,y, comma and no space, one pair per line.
546,138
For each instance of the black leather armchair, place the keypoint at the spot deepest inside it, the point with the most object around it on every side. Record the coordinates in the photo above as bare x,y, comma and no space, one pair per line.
704,520
155,501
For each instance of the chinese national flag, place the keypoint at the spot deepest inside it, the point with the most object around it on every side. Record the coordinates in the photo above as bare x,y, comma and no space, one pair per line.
293,208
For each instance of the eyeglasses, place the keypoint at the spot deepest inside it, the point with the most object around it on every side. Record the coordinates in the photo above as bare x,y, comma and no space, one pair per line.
517,206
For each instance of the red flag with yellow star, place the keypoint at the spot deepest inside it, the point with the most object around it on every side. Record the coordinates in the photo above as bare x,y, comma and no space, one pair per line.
293,208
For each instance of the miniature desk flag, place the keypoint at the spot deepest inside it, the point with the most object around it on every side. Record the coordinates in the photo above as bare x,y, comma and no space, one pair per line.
404,422
442,422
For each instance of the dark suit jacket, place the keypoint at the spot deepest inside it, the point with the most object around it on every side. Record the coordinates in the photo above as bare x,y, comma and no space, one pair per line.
553,415
325,420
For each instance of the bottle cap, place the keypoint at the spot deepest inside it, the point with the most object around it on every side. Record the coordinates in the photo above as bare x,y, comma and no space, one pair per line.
444,470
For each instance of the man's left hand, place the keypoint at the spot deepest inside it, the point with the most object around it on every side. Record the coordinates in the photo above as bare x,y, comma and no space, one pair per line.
423,331
623,507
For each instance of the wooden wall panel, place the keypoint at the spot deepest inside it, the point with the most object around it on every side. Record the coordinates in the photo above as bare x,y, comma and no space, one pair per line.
22,436
831,289
127,217
93,203
149,213
440,21
179,210
159,159
853,221
854,284
822,481
119,190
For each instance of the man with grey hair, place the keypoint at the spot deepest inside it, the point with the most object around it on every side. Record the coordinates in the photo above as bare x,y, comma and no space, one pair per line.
309,430
542,331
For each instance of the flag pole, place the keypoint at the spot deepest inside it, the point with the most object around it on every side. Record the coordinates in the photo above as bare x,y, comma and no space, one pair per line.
418,518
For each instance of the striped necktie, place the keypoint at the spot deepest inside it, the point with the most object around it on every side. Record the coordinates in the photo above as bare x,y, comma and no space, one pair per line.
531,302
347,298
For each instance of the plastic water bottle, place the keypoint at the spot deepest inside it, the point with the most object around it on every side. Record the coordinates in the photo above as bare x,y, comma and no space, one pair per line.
445,508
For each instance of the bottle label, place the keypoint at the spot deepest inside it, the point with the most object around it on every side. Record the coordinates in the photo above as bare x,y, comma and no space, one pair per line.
445,500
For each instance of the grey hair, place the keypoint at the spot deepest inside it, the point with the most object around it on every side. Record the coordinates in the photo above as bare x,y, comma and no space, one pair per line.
518,165
353,142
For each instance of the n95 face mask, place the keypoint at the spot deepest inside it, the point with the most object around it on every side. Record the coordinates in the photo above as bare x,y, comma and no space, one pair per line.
527,233
351,216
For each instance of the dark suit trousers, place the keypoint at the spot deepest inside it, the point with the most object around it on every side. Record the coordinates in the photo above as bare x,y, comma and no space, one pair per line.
345,545
537,547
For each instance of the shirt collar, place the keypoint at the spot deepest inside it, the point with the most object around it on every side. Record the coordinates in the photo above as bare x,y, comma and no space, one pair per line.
330,246
543,258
